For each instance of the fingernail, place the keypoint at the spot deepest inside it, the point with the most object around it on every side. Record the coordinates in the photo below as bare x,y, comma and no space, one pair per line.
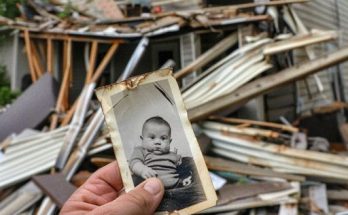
153,186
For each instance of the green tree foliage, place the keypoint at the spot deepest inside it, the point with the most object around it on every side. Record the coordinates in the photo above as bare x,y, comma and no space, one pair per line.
9,9
6,95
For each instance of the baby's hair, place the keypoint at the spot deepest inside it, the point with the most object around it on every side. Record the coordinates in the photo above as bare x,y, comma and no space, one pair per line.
157,120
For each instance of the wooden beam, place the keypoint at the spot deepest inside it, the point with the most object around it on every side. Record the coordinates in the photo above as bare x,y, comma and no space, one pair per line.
94,78
92,61
49,56
220,164
64,36
64,85
208,56
253,122
29,56
298,41
265,84
104,62
36,60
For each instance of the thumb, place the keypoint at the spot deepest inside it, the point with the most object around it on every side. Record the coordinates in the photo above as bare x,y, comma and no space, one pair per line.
144,199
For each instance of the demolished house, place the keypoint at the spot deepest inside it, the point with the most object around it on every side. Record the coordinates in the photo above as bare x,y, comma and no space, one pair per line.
277,59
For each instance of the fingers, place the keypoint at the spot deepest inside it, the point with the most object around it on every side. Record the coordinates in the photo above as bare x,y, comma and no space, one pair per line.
110,174
144,199
102,187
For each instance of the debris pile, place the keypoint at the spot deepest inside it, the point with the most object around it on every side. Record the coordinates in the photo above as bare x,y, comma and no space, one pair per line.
256,166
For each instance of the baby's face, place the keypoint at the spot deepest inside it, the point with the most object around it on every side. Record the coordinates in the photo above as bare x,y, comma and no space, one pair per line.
156,138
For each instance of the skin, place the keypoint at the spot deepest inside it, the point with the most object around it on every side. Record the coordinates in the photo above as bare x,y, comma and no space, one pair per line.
103,194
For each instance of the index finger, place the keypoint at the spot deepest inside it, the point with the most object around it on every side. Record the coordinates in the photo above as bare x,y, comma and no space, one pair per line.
102,187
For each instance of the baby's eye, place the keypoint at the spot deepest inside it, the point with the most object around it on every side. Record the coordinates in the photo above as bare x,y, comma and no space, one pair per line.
164,138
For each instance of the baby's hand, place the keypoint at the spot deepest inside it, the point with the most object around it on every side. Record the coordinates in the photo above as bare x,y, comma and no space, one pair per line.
147,172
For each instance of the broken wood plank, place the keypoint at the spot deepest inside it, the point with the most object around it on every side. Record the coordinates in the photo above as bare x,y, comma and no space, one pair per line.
208,56
29,56
92,61
255,132
233,192
265,84
240,168
230,140
50,56
36,60
299,41
63,87
104,62
94,78
258,123
337,195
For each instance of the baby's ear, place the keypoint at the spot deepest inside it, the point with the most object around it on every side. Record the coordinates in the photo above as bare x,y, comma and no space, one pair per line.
141,137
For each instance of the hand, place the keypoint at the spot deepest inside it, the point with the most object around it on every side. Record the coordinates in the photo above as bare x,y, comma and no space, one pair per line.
101,194
148,172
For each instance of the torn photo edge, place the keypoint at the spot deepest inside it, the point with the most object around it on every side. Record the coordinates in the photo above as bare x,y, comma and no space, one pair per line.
104,95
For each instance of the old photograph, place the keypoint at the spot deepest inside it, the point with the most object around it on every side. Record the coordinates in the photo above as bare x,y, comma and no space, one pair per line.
152,137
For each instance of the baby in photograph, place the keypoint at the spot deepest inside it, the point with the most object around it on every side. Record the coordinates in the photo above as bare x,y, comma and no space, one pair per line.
154,157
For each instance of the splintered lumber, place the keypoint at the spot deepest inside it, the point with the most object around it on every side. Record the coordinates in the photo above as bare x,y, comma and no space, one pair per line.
76,158
30,59
248,203
92,61
64,85
233,192
240,130
49,56
265,84
93,77
76,125
299,41
208,56
21,199
47,206
278,157
36,60
281,149
104,62
220,164
341,195
258,123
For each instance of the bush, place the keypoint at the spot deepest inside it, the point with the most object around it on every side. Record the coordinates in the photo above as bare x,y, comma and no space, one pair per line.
9,9
6,94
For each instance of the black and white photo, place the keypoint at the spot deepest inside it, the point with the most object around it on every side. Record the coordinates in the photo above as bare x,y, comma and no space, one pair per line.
153,137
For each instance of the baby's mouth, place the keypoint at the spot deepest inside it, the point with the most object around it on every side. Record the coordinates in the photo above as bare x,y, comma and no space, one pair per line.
157,149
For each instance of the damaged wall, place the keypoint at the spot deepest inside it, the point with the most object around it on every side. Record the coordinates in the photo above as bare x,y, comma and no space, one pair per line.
322,15
342,6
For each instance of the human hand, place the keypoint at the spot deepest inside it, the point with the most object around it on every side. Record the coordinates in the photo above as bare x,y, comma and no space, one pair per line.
148,172
102,194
